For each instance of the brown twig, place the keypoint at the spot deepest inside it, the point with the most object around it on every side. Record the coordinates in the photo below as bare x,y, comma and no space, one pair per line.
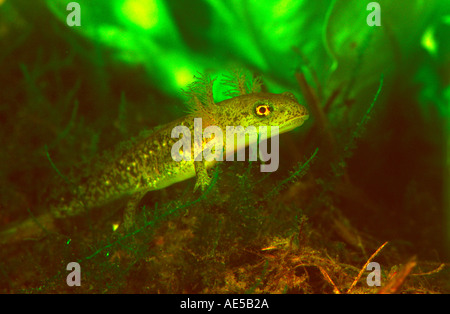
330,281
363,269
432,272
396,282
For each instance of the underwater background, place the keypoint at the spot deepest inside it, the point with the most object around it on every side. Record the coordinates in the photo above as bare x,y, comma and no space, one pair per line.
370,166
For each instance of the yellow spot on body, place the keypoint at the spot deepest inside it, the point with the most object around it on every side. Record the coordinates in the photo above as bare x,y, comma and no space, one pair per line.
107,182
115,226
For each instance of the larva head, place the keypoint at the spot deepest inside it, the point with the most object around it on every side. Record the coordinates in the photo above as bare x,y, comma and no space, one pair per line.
264,109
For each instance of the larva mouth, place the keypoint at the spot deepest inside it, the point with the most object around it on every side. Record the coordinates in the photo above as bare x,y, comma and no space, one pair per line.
293,123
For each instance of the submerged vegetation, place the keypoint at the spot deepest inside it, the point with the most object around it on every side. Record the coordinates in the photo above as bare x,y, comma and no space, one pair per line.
364,171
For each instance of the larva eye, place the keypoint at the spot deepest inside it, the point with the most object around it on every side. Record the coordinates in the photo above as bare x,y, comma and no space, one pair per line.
262,110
